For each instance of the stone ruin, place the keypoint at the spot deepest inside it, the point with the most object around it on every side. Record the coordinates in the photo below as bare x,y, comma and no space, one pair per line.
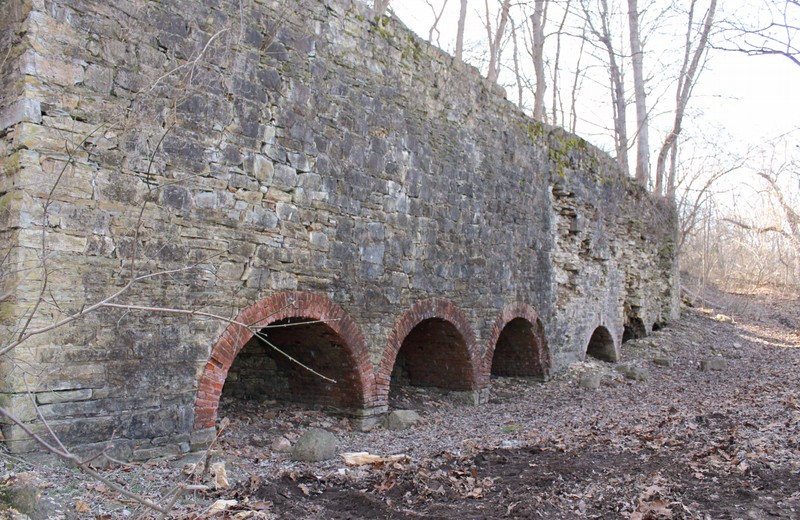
297,174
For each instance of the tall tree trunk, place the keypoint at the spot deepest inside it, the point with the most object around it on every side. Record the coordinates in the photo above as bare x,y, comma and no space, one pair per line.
517,70
462,18
537,48
617,91
637,58
686,82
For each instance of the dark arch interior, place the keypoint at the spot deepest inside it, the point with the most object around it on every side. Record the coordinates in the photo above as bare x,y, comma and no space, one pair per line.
261,373
601,345
658,325
634,329
520,350
433,354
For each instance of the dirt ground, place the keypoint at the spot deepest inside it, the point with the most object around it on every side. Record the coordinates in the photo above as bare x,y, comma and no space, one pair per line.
681,443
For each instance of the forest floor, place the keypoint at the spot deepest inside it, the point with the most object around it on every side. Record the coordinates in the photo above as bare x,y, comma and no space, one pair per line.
682,443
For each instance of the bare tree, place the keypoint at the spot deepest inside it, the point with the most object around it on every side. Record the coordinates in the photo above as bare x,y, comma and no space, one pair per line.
462,19
599,25
558,107
435,25
537,20
640,96
693,56
495,33
517,66
778,36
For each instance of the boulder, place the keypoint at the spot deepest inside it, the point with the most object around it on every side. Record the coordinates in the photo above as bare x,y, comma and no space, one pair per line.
662,361
590,380
315,445
713,363
402,419
632,372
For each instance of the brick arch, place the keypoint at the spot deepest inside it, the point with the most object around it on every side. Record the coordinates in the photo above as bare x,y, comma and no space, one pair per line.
423,311
279,307
540,361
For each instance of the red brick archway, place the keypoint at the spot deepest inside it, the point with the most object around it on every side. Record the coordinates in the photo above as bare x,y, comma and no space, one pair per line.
517,338
303,305
429,318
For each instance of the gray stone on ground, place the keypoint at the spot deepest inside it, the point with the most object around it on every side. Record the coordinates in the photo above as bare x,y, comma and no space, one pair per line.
315,445
402,419
632,372
590,380
662,361
713,363
24,493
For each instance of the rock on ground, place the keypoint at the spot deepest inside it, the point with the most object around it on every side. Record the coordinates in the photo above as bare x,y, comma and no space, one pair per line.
402,419
314,446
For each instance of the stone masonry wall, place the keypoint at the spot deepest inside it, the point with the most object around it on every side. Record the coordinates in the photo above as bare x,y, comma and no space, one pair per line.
264,161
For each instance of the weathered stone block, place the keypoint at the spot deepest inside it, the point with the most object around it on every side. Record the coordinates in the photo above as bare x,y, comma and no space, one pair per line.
402,419
64,396
715,363
315,445
590,380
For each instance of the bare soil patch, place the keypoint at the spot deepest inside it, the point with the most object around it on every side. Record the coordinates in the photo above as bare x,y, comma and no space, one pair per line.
683,443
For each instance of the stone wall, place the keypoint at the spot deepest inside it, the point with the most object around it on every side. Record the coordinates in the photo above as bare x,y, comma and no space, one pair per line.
252,162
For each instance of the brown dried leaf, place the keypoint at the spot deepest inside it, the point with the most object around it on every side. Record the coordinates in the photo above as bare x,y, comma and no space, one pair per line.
82,507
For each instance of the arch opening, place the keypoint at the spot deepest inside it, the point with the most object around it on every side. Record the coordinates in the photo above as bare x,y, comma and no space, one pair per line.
434,354
520,350
634,329
306,326
601,345
658,325
261,373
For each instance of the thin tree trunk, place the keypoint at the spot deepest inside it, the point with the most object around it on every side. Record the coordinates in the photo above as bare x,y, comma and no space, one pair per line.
637,58
462,18
436,18
537,48
576,83
558,105
496,38
617,92
686,81
517,71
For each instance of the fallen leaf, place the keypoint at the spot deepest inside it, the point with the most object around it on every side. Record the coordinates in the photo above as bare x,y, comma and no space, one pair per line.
82,507
222,505
475,493
220,476
262,505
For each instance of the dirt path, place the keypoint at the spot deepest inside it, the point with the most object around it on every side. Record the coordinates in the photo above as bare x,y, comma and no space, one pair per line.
683,443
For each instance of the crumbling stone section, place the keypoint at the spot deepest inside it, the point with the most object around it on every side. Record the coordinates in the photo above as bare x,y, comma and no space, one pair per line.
253,162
